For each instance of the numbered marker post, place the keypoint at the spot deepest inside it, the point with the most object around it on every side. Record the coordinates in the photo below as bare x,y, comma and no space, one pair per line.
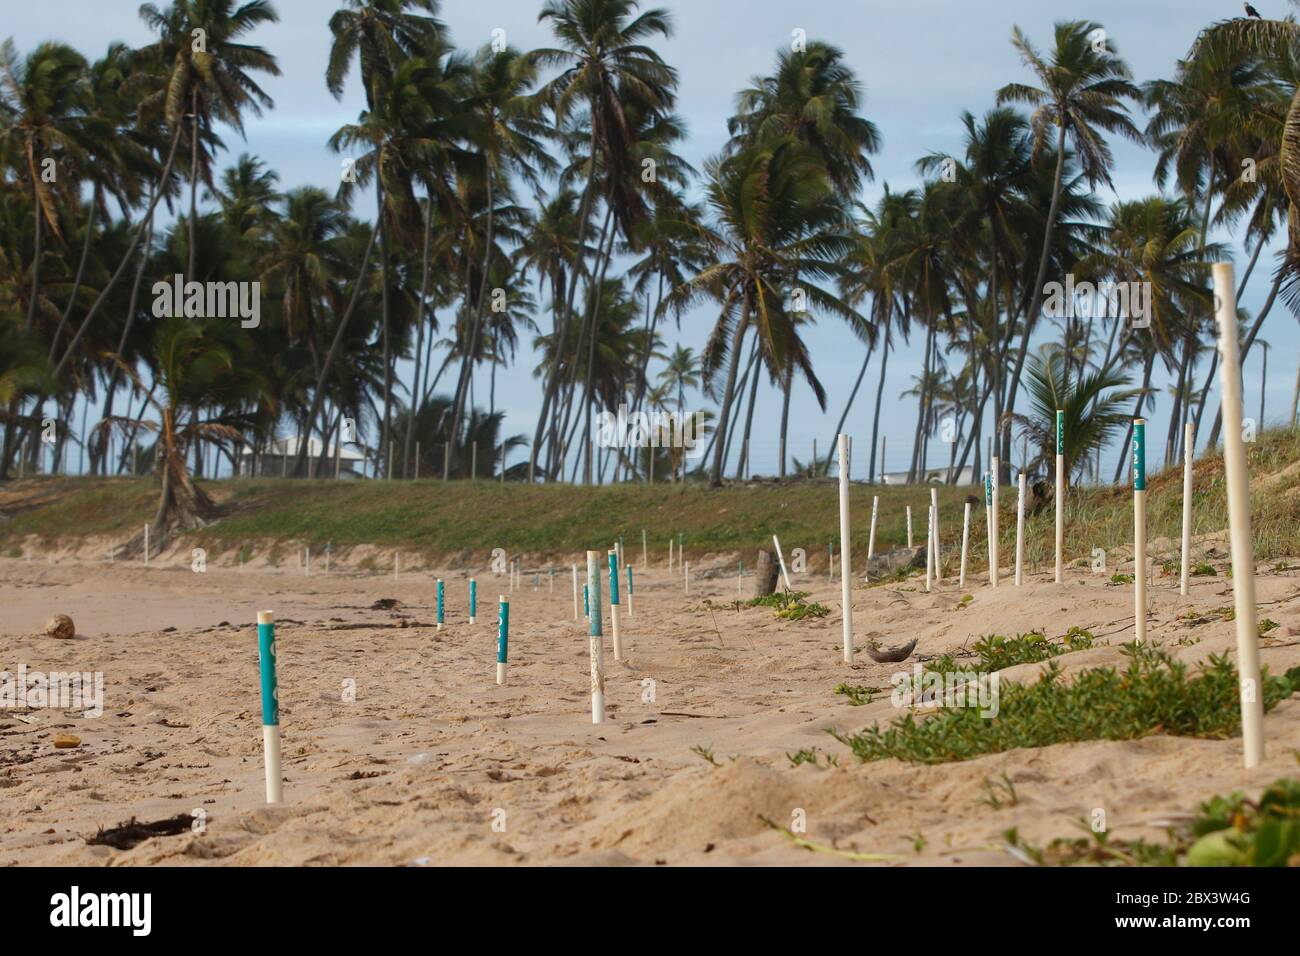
988,523
596,643
586,601
473,600
1189,438
503,636
1140,529
613,605
1243,555
270,706
1060,497
846,568
629,590
440,605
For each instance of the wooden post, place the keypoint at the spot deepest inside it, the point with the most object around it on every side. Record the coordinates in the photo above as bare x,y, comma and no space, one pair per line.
596,644
1189,440
1020,532
1139,530
1060,496
270,706
846,560
1243,556
965,543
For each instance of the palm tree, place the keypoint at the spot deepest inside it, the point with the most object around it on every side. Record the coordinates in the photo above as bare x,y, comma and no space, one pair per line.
776,216
506,130
606,68
681,372
1092,404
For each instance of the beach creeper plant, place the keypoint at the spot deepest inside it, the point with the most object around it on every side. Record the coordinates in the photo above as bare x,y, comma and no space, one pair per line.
1153,694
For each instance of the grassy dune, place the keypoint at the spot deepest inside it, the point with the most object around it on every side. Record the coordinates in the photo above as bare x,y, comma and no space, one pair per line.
471,518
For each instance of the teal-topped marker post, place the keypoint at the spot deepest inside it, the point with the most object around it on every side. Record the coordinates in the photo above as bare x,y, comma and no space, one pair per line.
613,604
270,706
440,604
988,521
596,642
1140,529
473,600
503,636
629,590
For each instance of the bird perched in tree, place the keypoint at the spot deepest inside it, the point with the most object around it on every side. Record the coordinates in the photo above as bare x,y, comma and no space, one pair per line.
1251,11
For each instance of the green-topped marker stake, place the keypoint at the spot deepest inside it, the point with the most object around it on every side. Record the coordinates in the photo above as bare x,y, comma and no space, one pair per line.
1060,496
586,601
629,590
1140,529
613,604
503,636
473,600
440,605
988,522
994,557
270,706
596,643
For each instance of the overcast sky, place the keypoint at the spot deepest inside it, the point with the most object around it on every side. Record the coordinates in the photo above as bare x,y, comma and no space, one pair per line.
921,62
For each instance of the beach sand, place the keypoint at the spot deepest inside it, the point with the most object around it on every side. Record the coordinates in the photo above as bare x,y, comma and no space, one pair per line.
433,763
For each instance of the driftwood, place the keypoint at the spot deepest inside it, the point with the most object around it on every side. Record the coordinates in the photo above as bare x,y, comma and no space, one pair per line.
892,655
766,573
126,835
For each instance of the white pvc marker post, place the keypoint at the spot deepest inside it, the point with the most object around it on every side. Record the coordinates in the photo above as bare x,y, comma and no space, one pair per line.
613,605
270,706
929,548
781,559
934,506
1243,556
871,537
1140,530
146,546
909,525
1060,497
645,561
965,543
575,591
1188,439
846,562
993,518
1020,532
670,553
596,643
686,577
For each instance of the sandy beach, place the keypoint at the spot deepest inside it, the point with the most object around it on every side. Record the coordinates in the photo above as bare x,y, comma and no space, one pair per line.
432,763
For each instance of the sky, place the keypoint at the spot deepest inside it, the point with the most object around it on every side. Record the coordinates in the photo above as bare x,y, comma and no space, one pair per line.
921,63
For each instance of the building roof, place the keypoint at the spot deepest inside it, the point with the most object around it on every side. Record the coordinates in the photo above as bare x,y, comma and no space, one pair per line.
289,447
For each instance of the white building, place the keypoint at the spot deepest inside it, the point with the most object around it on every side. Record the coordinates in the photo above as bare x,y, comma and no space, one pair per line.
276,459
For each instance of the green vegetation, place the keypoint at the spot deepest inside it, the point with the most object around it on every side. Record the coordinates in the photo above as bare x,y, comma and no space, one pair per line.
996,653
1153,694
1226,831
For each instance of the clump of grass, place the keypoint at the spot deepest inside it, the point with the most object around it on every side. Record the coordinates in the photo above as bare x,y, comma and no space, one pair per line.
810,755
790,606
997,652
999,793
857,694
1203,570
1119,578
1225,831
1153,694
1266,625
